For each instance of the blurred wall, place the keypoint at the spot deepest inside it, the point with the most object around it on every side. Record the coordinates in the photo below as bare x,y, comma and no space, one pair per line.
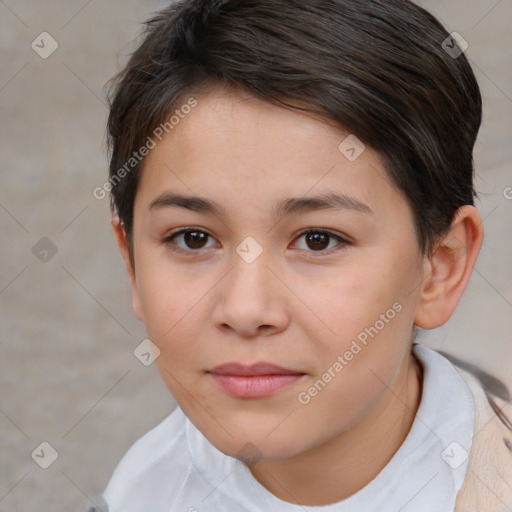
68,375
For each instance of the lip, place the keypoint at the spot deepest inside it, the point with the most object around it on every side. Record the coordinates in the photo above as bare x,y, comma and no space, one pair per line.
253,381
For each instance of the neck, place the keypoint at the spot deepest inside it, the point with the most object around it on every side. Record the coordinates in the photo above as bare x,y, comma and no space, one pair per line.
345,464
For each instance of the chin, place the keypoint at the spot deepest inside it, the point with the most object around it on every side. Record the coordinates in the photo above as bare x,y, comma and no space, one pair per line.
250,446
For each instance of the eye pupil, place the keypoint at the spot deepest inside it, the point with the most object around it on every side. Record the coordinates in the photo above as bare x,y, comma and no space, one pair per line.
317,241
194,239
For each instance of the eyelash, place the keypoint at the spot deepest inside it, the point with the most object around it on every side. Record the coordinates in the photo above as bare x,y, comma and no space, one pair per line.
169,241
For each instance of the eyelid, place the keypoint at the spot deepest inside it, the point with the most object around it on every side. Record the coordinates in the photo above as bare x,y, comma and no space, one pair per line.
342,240
168,240
325,231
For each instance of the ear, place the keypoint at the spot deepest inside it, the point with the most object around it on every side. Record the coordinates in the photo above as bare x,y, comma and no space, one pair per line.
448,269
123,244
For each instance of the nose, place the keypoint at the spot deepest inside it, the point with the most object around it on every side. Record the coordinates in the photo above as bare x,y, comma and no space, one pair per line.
251,300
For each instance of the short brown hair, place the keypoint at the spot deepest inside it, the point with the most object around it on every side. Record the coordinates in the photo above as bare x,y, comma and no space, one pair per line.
377,68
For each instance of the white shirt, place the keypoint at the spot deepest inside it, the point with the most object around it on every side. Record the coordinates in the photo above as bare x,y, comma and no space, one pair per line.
174,468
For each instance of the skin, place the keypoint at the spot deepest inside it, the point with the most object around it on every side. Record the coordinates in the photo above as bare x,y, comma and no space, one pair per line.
297,305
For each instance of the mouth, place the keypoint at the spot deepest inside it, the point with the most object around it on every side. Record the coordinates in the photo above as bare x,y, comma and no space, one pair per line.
253,381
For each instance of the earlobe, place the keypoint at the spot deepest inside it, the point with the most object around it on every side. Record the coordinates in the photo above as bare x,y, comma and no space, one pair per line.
449,268
124,249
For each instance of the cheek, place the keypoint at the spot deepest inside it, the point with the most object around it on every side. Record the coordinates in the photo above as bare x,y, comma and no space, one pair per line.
363,372
368,316
167,293
175,306
347,303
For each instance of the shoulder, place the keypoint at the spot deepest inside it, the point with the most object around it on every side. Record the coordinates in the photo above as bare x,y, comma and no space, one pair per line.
141,463
488,483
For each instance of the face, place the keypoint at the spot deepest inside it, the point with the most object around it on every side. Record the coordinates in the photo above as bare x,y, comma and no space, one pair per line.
282,293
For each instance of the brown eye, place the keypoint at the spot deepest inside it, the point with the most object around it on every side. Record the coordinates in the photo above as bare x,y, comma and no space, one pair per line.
317,241
187,240
321,241
195,239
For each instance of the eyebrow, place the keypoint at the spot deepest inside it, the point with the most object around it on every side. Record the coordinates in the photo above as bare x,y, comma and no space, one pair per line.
291,206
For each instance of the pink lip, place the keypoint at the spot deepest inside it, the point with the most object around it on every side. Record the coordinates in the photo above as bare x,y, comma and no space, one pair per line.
254,381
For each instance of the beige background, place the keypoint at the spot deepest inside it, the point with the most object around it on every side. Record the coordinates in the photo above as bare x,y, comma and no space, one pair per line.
67,372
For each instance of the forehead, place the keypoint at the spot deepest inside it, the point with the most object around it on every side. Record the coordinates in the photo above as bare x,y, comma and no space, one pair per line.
233,124
239,150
